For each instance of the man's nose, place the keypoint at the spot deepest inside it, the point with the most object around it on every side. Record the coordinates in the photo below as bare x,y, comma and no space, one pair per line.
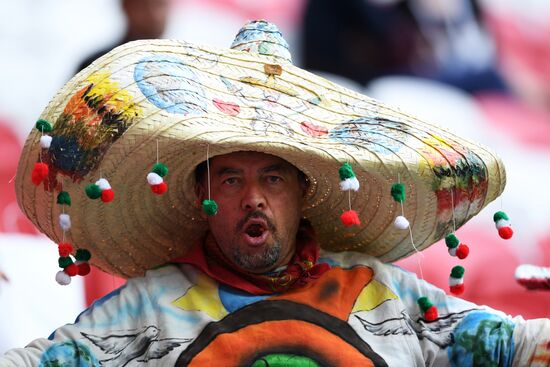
253,198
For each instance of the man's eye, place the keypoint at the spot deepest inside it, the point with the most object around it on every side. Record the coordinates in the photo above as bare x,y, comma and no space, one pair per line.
274,179
230,181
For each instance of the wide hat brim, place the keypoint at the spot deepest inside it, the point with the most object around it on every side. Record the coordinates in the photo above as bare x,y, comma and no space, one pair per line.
170,101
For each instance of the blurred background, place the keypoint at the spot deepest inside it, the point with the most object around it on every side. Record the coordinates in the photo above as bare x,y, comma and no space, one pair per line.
479,67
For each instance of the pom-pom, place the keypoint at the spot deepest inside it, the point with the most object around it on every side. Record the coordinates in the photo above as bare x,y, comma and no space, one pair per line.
65,249
63,198
457,272
65,222
427,308
346,172
93,191
401,222
506,232
502,223
107,195
39,173
154,179
83,268
398,192
451,241
462,251
103,184
71,270
431,314
457,289
43,126
83,255
350,218
160,188
500,215
45,141
160,169
349,184
62,278
210,207
64,261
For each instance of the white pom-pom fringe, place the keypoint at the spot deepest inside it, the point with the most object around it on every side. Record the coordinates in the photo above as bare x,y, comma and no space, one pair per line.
455,281
65,221
349,184
401,222
62,278
502,223
103,184
452,251
45,141
154,179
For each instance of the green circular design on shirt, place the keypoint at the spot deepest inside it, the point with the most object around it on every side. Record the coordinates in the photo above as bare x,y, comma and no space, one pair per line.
284,360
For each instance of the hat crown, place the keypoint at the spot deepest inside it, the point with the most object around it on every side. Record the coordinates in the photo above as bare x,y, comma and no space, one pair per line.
263,38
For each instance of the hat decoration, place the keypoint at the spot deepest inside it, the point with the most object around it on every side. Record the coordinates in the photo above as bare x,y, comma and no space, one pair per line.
456,280
209,206
349,182
100,189
427,308
250,98
502,222
456,248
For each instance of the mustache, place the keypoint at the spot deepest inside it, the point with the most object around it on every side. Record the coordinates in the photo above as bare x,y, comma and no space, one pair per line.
256,214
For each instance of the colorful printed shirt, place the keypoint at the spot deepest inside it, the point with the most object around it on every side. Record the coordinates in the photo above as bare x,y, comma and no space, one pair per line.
359,313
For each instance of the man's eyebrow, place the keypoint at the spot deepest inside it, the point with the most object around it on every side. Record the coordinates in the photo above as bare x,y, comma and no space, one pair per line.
278,167
228,170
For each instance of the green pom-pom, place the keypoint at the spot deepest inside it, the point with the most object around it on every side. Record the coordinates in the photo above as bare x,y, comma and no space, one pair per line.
64,262
398,192
93,191
346,171
63,198
43,126
160,169
500,215
451,241
82,255
457,272
210,207
424,303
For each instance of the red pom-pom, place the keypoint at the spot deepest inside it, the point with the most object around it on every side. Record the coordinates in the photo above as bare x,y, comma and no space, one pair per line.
505,232
457,289
159,189
107,195
39,173
462,251
65,249
83,268
350,218
71,270
431,314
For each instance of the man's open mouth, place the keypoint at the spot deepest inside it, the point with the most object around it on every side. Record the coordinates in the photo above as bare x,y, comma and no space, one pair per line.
256,231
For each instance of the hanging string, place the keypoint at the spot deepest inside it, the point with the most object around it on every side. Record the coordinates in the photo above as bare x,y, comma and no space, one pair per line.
157,150
453,208
349,199
208,169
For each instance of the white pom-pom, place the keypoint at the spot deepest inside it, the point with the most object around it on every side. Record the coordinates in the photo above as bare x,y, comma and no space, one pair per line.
65,221
154,179
45,141
502,223
62,278
452,250
103,184
455,281
401,222
349,184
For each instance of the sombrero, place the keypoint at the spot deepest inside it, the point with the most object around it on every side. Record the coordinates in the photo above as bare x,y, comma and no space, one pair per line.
169,101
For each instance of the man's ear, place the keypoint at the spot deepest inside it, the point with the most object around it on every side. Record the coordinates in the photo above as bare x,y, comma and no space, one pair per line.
200,193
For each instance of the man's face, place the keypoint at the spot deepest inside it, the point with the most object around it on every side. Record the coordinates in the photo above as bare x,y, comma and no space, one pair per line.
259,199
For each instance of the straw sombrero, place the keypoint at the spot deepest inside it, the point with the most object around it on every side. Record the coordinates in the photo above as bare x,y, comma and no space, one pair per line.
169,101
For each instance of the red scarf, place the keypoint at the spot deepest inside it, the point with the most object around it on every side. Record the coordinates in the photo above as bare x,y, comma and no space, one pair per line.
302,269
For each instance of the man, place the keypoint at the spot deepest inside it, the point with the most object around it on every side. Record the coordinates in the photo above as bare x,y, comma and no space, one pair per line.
225,263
